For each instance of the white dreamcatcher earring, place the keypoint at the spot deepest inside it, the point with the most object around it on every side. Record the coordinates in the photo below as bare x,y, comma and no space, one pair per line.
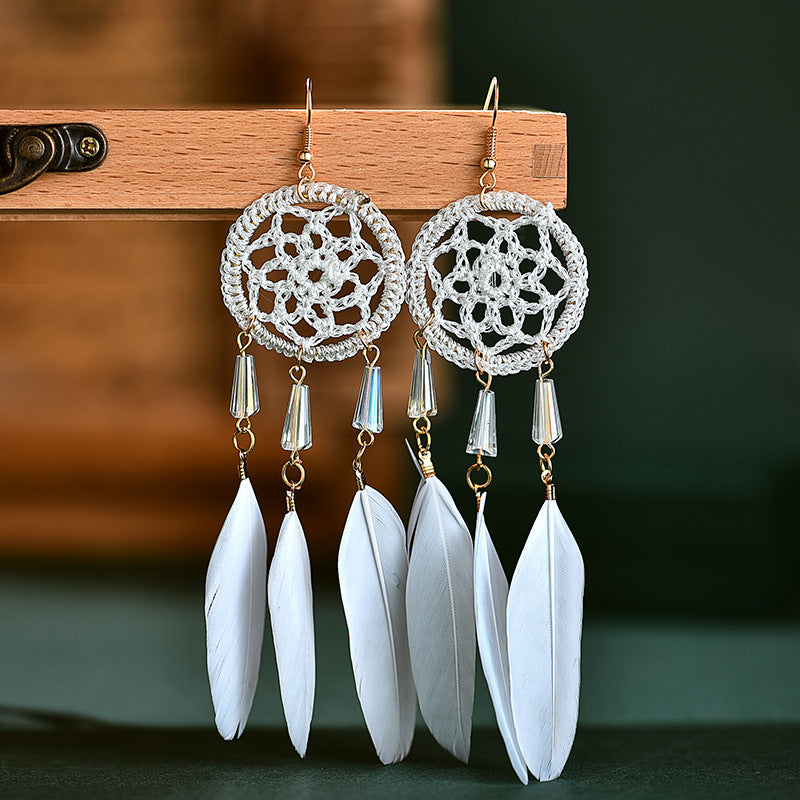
309,278
528,634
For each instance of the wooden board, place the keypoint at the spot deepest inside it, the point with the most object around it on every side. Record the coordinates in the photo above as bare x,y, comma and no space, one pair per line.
115,349
194,164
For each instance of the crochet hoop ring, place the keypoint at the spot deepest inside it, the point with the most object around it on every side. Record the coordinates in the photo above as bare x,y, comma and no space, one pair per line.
497,285
310,276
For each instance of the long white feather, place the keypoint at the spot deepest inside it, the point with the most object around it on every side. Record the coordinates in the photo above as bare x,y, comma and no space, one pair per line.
235,607
292,615
441,616
491,598
373,566
545,611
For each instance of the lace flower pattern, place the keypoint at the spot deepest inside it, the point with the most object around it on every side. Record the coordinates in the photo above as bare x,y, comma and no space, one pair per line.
284,279
499,286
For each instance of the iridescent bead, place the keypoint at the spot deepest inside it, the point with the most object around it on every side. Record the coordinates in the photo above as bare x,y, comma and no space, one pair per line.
369,407
422,398
244,394
483,431
546,419
297,425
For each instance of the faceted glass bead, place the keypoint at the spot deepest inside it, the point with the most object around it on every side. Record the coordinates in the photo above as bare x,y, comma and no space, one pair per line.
244,394
483,431
297,425
369,407
546,420
422,398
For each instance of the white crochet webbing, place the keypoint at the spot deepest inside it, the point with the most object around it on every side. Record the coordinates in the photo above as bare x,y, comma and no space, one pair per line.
321,278
495,286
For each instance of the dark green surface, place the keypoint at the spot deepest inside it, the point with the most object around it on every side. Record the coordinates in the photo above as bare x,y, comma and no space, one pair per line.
103,693
127,646
67,757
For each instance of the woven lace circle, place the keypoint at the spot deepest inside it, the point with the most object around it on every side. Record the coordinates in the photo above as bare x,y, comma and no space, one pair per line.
312,276
495,287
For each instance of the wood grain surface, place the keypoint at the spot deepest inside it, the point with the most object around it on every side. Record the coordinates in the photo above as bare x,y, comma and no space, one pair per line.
190,164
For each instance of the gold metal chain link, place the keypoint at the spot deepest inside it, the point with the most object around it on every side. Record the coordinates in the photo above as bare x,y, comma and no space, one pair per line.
472,472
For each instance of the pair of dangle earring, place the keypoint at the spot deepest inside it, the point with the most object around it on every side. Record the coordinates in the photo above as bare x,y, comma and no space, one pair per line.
291,292
411,623
469,257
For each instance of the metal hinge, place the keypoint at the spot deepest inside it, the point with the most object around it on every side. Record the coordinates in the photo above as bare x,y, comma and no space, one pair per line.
26,151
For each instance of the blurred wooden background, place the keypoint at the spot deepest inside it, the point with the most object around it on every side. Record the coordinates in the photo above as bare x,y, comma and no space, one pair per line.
116,352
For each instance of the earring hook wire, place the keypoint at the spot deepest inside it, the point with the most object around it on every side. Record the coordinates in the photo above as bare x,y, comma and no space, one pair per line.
488,180
306,173
494,88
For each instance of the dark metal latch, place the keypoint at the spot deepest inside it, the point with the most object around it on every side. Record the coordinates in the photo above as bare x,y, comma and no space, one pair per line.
26,151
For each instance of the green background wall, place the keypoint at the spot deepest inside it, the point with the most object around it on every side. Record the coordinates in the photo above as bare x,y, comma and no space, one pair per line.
679,393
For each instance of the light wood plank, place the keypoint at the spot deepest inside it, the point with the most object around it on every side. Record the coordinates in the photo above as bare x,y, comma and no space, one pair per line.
183,164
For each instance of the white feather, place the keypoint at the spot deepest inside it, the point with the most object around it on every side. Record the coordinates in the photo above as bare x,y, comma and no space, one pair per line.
373,566
235,607
545,610
441,616
491,597
292,616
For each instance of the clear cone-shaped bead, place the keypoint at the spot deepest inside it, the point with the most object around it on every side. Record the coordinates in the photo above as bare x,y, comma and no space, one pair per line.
422,398
297,425
483,432
369,408
244,394
546,420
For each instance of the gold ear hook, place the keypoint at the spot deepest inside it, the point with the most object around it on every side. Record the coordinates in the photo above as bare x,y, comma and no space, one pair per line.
488,180
494,88
306,172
